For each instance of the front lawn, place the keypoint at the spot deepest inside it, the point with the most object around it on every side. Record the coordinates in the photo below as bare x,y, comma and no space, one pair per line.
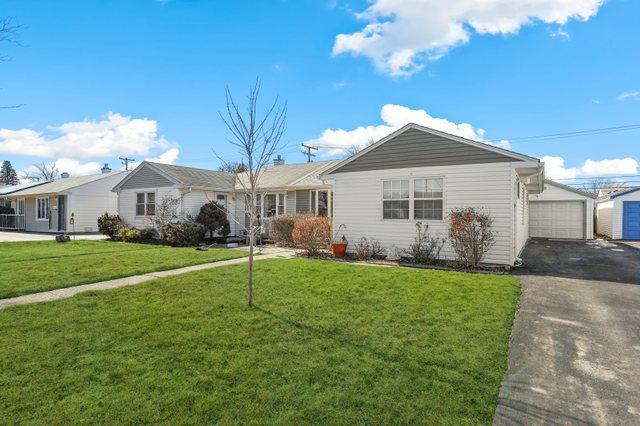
326,343
32,267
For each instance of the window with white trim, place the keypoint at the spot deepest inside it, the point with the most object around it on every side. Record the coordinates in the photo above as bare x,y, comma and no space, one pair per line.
222,200
395,199
321,202
145,204
269,205
427,198
42,209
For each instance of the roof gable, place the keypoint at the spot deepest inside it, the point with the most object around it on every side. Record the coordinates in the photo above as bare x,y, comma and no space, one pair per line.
625,192
570,189
418,146
158,175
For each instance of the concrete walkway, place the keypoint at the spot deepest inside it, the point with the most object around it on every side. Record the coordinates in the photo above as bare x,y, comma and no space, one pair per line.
14,236
63,293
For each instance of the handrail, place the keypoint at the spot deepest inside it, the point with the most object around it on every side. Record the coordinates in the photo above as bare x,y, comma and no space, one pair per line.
13,221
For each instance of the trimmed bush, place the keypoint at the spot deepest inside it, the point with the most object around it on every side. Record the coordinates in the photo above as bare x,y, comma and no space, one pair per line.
281,228
184,234
214,218
109,225
312,233
128,234
148,235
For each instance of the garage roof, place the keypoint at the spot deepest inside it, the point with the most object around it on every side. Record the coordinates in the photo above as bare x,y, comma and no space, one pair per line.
571,189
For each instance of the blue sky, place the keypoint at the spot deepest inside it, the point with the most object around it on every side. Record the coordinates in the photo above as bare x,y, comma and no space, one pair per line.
145,78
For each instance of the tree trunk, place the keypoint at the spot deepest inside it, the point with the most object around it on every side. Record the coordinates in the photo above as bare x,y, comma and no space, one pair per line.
252,238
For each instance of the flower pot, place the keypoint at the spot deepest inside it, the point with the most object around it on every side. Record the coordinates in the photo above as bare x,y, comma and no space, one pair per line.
339,249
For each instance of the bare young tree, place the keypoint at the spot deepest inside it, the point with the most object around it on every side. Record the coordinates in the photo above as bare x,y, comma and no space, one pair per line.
44,172
257,136
166,212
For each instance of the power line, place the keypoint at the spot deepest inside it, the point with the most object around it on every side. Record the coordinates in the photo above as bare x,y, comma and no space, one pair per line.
543,137
598,177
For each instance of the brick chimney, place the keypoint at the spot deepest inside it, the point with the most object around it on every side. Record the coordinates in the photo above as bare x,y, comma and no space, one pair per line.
64,175
278,161
105,169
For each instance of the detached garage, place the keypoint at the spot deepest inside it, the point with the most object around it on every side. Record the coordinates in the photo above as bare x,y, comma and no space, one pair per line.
618,216
561,211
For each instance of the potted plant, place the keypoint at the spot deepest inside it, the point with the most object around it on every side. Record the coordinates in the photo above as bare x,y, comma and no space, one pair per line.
339,247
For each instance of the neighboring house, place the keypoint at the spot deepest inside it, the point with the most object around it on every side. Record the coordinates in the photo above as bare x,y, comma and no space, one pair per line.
618,215
561,212
420,174
50,206
283,189
7,190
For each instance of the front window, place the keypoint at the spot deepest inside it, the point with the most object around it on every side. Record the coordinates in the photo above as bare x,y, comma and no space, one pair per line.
395,199
42,208
427,196
270,206
145,204
222,200
320,202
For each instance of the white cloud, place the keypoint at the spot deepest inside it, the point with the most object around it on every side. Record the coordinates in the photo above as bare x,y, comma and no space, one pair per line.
400,36
634,94
69,165
167,157
116,135
555,169
394,117
339,84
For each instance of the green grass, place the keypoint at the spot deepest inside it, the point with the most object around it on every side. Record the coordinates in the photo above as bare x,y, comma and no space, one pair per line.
32,267
326,343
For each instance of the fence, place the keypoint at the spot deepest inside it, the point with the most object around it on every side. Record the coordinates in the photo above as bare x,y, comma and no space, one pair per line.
12,221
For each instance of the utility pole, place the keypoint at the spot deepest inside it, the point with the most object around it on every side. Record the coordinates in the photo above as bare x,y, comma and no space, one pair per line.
308,153
126,161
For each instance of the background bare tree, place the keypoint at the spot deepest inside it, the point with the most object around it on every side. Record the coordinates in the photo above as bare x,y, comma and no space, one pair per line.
354,149
257,136
233,167
595,185
8,34
44,172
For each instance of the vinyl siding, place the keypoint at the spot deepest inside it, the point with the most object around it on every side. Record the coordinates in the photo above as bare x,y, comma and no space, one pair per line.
145,177
488,186
604,214
30,214
415,148
127,205
302,201
291,202
89,201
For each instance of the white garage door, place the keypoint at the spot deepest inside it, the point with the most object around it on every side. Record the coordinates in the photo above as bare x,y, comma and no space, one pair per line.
556,219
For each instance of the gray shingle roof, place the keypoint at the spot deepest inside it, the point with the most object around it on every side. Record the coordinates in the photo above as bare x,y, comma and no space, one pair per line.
190,176
61,185
9,189
290,175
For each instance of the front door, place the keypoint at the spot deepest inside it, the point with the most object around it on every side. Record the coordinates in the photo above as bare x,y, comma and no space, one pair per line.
62,212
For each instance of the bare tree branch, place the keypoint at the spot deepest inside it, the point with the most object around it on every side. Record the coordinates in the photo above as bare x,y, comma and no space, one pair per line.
44,171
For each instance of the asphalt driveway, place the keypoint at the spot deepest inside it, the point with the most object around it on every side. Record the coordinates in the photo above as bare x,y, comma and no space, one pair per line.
574,356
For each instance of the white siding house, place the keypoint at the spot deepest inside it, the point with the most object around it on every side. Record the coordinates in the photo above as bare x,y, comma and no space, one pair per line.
282,189
618,215
561,212
419,174
68,204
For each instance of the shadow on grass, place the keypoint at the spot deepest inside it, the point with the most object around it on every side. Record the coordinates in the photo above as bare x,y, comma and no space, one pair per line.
407,364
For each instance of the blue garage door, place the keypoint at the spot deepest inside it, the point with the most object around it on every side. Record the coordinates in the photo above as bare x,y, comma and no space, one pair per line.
631,220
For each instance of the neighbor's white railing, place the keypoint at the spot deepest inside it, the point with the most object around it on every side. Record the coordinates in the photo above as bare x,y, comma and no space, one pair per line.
12,221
